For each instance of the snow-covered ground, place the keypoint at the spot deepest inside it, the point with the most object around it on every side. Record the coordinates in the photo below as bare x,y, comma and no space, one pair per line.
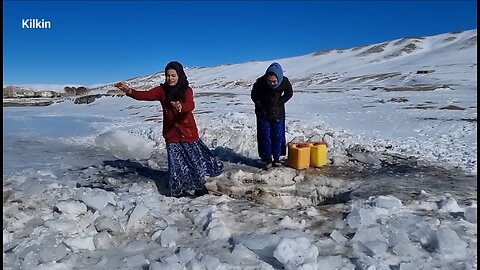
84,184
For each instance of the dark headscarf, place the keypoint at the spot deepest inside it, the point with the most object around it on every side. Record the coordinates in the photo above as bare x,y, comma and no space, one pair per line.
177,92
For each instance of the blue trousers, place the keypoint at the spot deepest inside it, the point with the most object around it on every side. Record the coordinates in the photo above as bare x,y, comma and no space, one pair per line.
271,139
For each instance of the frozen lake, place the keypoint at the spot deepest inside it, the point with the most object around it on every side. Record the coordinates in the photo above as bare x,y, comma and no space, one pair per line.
35,141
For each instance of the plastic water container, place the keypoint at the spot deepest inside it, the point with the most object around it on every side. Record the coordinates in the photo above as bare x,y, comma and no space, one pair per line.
318,154
298,155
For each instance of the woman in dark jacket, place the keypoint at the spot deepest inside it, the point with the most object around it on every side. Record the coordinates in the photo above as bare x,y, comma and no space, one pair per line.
189,159
270,93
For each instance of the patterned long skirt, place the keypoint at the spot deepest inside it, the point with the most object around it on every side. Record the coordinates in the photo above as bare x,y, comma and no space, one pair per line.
188,164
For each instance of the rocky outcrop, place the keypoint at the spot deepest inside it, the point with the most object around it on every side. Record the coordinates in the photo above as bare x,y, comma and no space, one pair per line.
87,99
75,91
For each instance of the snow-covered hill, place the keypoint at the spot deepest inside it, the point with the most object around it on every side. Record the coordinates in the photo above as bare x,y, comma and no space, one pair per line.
452,57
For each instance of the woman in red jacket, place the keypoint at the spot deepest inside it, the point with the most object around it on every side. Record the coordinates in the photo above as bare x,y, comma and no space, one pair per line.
189,159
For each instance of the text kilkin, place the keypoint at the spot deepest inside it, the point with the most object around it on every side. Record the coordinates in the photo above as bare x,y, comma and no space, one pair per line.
36,23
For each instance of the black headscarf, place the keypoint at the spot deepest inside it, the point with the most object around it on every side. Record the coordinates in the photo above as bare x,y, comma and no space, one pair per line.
177,92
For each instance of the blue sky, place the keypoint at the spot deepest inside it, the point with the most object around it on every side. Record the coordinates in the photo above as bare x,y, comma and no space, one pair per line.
92,42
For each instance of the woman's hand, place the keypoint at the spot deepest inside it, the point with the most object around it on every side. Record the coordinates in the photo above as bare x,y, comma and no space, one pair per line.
177,105
124,87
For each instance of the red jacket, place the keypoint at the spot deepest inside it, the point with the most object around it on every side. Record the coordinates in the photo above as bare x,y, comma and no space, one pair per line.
177,126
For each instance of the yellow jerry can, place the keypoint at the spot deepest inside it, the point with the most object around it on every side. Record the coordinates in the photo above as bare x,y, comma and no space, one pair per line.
298,155
318,154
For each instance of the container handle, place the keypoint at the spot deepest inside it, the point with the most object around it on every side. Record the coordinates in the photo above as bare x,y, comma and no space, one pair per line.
329,134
